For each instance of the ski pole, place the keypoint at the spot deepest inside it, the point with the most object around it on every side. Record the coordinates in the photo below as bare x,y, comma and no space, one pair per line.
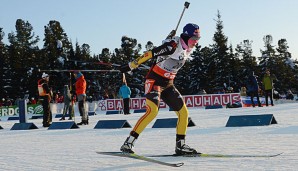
173,32
72,114
186,5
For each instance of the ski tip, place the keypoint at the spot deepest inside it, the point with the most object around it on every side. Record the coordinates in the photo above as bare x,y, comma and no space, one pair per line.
106,153
179,164
277,154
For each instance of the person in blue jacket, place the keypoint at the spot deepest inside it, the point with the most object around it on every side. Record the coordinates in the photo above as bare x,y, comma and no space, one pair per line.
124,93
253,89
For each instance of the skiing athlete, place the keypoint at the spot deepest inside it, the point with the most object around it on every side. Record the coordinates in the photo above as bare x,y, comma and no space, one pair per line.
169,58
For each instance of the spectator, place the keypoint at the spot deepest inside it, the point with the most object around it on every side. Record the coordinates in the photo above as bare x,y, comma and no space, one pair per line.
230,90
124,93
268,86
90,99
290,95
56,99
283,95
243,91
138,93
61,99
253,89
68,105
33,100
45,96
276,95
17,101
81,96
8,102
202,92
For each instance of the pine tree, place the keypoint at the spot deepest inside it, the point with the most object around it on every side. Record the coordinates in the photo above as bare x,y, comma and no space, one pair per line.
211,68
199,67
22,49
128,52
234,70
56,46
56,43
183,79
3,65
286,68
220,58
248,63
267,60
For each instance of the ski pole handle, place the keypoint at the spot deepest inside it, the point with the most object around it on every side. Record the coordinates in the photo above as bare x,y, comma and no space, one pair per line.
186,5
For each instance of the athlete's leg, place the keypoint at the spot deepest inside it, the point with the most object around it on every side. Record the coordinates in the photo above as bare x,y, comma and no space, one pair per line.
174,100
151,112
152,103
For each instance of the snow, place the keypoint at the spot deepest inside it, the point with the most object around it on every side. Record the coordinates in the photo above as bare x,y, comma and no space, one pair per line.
74,149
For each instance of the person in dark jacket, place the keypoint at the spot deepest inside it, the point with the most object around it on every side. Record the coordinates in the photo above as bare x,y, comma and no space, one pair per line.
253,89
45,95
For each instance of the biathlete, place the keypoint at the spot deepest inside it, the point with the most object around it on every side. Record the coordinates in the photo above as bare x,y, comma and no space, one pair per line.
169,57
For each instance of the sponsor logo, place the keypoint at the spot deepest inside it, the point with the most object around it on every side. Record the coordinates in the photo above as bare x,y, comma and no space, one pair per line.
160,52
169,75
160,59
38,109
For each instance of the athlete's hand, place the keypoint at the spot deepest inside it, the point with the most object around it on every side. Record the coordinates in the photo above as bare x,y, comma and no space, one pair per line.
171,34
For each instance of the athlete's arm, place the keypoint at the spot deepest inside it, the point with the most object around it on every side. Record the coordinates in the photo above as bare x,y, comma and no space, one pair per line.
167,48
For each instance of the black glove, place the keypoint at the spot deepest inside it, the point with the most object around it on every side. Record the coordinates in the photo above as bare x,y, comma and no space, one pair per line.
124,68
172,34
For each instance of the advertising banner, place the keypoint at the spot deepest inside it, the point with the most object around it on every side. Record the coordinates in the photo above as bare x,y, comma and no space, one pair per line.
14,110
190,101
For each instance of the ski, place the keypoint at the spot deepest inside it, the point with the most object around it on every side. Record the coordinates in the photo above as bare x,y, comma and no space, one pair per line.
140,157
216,155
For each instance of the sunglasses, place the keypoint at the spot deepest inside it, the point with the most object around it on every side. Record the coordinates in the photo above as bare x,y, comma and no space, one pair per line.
195,38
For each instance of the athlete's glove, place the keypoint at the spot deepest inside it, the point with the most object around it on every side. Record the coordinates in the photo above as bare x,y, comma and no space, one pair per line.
171,34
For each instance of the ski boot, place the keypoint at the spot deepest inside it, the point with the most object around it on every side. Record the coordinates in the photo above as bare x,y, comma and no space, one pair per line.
128,144
183,149
84,122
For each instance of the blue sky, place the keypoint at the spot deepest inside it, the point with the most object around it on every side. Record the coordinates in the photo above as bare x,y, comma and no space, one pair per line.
101,24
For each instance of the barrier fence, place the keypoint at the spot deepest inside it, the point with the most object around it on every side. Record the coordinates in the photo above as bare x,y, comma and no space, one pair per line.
191,101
